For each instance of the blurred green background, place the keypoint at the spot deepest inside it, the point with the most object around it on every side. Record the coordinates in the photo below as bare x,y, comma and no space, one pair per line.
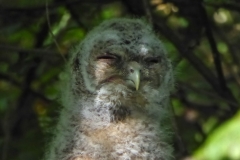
202,38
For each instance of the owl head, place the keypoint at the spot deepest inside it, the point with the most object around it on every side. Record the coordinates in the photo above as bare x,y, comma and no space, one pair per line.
121,55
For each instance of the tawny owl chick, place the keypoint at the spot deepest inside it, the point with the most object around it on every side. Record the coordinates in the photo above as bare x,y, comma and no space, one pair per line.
116,97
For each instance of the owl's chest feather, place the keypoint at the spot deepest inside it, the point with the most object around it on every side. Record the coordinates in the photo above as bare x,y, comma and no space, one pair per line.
117,124
135,137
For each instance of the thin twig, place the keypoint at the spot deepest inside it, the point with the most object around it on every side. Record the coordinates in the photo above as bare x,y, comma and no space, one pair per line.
51,33
207,93
16,83
224,90
148,11
21,50
215,52
6,127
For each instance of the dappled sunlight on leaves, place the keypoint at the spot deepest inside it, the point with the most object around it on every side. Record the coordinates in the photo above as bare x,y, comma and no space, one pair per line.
202,40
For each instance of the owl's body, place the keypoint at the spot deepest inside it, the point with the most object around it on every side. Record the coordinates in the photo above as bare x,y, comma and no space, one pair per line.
116,99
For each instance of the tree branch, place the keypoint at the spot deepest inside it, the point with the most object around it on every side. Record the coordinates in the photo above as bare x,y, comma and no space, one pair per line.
148,11
48,55
16,83
40,52
225,92
215,52
195,61
227,5
54,5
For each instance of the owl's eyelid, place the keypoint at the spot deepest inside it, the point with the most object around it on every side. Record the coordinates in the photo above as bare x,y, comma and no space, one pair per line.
108,56
153,59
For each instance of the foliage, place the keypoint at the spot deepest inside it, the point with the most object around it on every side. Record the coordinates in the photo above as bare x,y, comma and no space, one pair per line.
201,36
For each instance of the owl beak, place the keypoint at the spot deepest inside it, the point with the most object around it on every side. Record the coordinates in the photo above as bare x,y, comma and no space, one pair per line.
134,74
136,79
